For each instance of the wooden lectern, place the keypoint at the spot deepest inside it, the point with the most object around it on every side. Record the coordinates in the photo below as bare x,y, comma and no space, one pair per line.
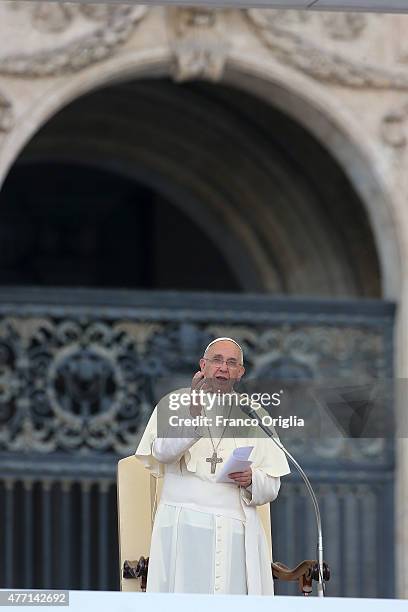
138,495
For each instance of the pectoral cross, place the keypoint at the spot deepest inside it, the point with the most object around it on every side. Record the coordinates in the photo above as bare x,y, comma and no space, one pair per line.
214,460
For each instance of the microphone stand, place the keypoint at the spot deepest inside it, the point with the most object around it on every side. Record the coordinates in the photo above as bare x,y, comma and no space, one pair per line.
271,434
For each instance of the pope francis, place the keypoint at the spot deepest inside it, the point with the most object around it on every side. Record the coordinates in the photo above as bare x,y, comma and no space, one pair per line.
207,536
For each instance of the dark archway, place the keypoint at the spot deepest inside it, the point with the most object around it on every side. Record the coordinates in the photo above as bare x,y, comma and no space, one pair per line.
73,225
260,189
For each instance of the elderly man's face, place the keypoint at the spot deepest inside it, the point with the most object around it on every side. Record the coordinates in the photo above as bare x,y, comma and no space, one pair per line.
222,364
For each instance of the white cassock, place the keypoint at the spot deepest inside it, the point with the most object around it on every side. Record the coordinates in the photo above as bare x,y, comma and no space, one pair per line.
207,536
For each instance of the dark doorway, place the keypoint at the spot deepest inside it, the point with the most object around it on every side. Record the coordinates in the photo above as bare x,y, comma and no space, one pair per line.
71,225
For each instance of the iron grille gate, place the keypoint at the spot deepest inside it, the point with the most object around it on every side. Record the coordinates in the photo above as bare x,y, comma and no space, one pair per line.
76,372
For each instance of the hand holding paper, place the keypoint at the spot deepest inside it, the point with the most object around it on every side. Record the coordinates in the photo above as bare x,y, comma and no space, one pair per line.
237,462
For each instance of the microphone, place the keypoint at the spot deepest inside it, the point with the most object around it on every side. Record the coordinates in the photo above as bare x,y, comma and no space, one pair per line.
273,435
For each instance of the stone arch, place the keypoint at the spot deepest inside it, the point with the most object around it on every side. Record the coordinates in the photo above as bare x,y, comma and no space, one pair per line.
343,138
315,111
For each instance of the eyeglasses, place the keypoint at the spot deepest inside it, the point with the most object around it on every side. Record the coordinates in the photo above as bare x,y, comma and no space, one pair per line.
218,361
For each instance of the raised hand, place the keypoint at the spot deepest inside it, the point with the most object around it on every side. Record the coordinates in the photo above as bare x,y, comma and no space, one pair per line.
198,383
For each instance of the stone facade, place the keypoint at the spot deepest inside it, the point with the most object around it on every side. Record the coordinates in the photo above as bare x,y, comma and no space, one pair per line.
344,77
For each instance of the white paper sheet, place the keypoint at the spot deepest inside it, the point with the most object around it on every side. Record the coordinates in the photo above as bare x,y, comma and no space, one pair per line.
237,462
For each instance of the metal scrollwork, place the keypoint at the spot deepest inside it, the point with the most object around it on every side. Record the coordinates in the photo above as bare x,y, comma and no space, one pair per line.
76,384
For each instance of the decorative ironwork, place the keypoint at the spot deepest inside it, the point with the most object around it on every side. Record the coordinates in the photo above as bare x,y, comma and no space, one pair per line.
79,384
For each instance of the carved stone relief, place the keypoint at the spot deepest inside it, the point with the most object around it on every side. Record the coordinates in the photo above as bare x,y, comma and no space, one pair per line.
46,17
6,114
199,43
342,26
393,127
298,49
70,36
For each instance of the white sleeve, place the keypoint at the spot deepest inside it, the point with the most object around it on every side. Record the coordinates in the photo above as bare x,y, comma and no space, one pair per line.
170,450
154,451
264,488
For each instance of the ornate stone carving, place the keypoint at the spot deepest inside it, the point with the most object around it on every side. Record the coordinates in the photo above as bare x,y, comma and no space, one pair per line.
393,127
323,64
52,17
289,17
103,29
58,16
6,114
343,26
199,43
